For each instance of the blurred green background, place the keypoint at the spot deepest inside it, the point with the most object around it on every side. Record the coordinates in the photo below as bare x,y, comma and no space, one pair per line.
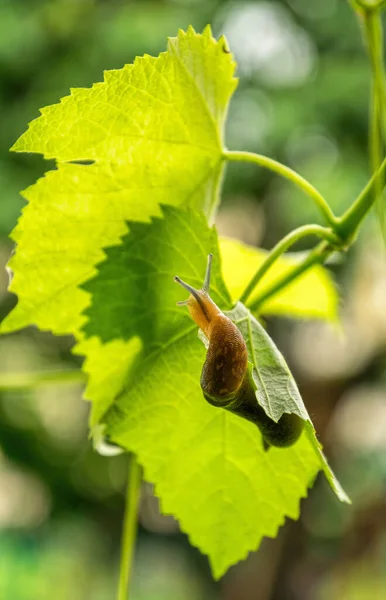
302,99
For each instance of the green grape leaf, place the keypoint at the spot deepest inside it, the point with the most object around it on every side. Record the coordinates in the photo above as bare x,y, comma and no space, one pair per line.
276,389
312,295
152,132
208,466
134,302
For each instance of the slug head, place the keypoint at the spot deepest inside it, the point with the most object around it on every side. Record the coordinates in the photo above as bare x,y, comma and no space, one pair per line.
227,356
201,307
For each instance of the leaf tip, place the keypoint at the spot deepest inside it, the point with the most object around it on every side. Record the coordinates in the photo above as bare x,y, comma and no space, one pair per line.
19,145
16,147
190,31
325,467
207,32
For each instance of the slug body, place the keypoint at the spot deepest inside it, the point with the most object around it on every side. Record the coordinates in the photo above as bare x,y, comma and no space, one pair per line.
225,377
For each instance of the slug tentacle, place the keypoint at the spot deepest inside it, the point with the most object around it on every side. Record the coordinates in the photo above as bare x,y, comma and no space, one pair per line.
225,378
201,307
206,285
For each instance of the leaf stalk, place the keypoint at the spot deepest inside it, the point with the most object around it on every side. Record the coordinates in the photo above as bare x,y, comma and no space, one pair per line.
349,223
317,256
287,173
282,246
373,34
348,226
130,524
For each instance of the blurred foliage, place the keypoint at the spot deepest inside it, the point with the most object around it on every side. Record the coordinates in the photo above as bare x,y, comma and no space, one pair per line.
302,99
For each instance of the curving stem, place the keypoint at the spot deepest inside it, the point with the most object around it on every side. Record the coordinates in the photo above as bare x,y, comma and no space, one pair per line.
286,172
129,532
284,245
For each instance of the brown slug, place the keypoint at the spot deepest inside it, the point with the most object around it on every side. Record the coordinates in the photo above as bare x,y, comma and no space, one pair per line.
225,377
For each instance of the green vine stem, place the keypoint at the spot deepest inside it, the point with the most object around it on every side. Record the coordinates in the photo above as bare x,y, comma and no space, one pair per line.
349,223
282,246
367,6
129,532
286,172
348,226
21,381
373,33
317,256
